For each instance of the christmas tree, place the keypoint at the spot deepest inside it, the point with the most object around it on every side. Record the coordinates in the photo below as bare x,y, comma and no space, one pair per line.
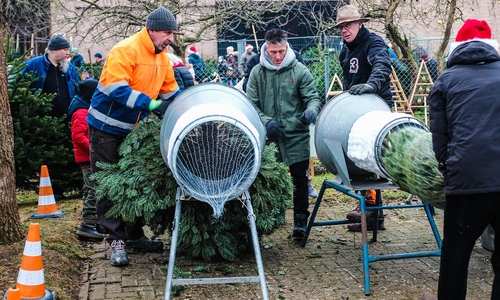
143,189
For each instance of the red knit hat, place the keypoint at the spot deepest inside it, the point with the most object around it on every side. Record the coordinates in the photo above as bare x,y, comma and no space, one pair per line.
192,49
473,29
248,46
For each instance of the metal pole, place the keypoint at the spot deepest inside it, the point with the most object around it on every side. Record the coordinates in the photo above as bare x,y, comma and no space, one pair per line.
327,74
256,248
173,247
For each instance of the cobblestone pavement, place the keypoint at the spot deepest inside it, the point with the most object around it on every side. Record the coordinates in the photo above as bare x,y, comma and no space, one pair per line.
328,267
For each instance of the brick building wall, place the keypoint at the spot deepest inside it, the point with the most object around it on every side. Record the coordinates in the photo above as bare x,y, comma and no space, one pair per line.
428,29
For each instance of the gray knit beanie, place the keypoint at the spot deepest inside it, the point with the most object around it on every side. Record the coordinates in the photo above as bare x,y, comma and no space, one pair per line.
57,42
161,19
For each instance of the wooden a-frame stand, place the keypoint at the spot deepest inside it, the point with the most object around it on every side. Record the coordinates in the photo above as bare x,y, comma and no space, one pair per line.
401,103
421,90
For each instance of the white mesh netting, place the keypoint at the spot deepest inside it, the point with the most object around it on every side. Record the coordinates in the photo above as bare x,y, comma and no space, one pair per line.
215,161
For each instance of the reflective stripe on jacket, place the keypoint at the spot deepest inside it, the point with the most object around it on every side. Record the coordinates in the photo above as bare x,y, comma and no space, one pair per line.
132,76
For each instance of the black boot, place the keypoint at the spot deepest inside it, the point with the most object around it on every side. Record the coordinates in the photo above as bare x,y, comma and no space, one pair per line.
299,225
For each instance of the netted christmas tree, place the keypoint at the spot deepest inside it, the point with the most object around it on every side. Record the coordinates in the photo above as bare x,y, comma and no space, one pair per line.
143,188
408,158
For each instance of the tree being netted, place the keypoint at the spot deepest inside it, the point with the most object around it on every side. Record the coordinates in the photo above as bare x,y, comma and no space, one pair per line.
408,157
143,188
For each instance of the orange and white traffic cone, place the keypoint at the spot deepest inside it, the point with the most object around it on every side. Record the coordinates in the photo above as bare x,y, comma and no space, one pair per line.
13,294
47,207
31,278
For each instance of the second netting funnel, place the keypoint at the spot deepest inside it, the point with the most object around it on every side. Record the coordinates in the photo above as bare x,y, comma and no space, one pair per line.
212,139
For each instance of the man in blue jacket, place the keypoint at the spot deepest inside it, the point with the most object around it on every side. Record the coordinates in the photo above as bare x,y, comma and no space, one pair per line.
58,76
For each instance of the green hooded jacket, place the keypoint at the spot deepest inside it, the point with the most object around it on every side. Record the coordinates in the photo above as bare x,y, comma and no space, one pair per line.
284,95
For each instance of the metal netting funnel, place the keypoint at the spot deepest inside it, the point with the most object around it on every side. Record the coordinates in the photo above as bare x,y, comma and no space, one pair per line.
350,131
212,139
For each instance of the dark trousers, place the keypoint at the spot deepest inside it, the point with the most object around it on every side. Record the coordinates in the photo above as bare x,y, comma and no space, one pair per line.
465,219
300,187
104,148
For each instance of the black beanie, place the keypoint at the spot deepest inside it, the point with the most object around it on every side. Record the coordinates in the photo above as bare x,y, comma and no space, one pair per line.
161,19
57,42
87,88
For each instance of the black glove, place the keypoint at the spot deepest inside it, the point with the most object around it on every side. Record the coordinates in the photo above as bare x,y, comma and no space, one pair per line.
274,130
310,116
362,88
160,111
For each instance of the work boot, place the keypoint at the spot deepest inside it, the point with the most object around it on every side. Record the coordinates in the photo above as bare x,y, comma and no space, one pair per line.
356,227
118,254
88,232
299,225
144,244
312,191
354,216
100,229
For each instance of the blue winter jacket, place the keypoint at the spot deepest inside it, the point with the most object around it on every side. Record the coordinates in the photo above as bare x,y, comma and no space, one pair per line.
198,66
41,65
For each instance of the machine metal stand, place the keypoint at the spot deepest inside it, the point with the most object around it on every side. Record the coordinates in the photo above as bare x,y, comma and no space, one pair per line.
377,185
220,280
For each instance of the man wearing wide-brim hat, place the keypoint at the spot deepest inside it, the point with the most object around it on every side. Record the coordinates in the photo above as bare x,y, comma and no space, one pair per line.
364,56
366,68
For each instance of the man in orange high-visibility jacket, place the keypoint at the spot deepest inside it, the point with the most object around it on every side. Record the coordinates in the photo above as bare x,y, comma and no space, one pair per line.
137,72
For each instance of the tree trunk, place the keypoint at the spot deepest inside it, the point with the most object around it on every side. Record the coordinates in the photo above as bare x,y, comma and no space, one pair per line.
10,227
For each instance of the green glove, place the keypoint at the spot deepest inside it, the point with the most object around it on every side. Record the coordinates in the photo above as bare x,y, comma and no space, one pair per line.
154,104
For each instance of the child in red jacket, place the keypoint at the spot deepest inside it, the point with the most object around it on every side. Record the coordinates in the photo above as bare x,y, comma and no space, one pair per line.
77,113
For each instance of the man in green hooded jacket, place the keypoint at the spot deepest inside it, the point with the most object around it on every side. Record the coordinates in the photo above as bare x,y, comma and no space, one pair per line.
283,92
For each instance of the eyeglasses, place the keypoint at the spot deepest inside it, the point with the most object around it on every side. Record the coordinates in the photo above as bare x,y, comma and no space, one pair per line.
346,26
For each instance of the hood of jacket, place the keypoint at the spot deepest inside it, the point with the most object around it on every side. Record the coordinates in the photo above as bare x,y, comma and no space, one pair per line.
266,62
472,53
76,103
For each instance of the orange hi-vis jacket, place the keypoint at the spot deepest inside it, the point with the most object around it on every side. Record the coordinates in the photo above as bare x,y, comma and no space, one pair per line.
132,76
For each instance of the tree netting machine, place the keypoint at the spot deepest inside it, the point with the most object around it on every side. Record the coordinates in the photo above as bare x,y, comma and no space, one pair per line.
368,147
212,139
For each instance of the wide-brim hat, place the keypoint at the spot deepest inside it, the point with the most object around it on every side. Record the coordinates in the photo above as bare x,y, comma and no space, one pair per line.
348,13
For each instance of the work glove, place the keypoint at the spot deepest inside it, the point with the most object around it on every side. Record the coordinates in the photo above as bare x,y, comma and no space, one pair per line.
163,107
274,130
362,88
154,104
310,116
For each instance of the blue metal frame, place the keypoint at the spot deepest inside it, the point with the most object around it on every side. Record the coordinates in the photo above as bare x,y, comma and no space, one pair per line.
377,185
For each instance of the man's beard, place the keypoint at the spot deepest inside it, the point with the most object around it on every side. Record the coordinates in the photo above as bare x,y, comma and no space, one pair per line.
63,65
